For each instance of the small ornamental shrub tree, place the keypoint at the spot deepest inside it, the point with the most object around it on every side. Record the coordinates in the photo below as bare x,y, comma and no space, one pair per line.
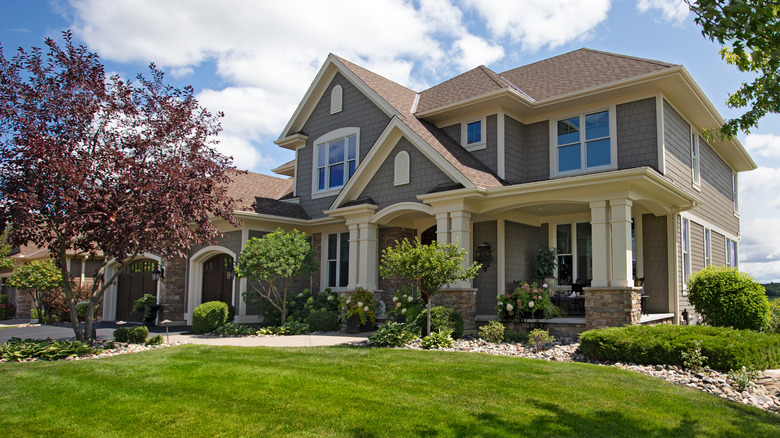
726,297
274,263
40,279
492,332
7,310
300,305
208,316
131,335
323,321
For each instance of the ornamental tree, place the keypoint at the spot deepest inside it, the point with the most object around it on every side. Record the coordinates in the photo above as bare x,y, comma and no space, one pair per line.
427,267
39,278
748,30
275,262
95,164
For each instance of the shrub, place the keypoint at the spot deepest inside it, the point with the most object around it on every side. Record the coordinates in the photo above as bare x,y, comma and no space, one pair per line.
774,319
492,332
540,339
323,321
131,335
81,309
288,329
394,334
7,309
442,318
300,306
15,349
233,329
725,348
45,319
437,340
208,316
743,377
527,301
406,304
516,336
270,314
693,359
155,340
726,297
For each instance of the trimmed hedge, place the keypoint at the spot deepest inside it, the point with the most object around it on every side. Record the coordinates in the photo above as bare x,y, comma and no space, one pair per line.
323,321
725,348
131,335
209,316
726,297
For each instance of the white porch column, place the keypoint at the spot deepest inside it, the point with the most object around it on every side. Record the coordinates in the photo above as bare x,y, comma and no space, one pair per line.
443,227
354,255
620,210
368,274
600,246
461,235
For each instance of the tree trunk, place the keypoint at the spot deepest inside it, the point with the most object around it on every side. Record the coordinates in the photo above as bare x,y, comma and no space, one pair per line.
429,314
74,317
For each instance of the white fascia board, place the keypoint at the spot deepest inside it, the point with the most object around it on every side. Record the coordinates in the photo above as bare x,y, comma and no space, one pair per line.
379,152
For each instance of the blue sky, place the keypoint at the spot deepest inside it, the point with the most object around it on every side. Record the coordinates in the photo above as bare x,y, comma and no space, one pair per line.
254,60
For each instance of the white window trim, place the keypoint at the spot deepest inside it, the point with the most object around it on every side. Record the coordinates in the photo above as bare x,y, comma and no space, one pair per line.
330,136
553,123
695,159
326,261
482,144
685,249
707,247
735,192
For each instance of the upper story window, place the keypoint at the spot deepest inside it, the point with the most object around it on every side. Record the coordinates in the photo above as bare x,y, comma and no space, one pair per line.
336,158
695,158
584,143
732,259
735,191
473,134
686,250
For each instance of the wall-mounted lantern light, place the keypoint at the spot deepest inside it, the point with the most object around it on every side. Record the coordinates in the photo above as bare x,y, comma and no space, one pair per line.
484,255
158,273
231,270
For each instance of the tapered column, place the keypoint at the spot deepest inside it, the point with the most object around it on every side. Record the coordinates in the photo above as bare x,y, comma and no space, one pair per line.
620,210
600,233
354,255
368,256
443,227
461,235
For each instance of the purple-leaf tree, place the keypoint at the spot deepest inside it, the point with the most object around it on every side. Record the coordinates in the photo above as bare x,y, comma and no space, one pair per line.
94,164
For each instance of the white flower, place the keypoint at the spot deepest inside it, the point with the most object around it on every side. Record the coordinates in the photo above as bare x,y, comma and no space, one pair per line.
500,304
348,301
395,298
509,307
531,304
397,304
365,309
544,285
360,304
410,299
403,311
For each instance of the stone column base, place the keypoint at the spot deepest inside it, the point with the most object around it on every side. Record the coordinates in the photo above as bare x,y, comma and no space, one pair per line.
464,300
612,306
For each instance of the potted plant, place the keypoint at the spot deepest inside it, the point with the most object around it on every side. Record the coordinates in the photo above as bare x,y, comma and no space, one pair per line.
359,309
147,304
546,262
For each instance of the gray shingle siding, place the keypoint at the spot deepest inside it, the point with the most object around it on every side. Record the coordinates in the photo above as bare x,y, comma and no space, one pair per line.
654,247
717,203
453,131
526,151
423,177
637,134
489,155
486,281
358,111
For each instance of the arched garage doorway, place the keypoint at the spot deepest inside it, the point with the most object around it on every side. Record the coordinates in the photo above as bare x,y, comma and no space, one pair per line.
133,283
216,286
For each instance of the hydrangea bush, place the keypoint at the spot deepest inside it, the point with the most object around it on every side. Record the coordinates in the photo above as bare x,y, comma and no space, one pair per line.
527,301
406,302
362,304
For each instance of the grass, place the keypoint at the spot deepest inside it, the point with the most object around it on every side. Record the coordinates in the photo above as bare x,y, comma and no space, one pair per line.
354,392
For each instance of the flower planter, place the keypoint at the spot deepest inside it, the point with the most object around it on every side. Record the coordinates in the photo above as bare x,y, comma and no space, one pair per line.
354,325
151,315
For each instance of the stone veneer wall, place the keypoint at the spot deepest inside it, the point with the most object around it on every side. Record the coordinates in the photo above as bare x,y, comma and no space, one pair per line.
316,244
389,286
24,304
462,300
173,297
612,307
558,329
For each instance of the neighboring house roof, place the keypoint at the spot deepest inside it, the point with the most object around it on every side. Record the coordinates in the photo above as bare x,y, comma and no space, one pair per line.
557,76
246,186
402,99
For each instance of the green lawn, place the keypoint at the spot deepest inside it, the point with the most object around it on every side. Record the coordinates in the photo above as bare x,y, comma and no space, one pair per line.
211,391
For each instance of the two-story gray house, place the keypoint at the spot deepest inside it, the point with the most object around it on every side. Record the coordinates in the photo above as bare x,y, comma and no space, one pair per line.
598,155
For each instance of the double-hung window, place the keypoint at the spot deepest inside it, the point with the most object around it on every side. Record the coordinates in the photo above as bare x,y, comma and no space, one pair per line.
338,260
707,248
584,143
336,158
686,249
473,134
575,253
695,158
731,254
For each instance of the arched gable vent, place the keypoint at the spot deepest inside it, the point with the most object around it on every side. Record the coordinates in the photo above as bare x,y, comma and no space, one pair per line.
336,99
401,169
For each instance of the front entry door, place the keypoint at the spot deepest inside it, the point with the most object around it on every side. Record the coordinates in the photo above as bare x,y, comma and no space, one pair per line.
216,286
133,283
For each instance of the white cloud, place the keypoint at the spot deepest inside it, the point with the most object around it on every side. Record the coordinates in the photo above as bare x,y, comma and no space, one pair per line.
471,51
671,10
763,145
763,180
542,23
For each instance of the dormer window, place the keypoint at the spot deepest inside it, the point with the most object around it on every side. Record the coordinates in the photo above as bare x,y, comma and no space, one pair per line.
473,134
336,159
